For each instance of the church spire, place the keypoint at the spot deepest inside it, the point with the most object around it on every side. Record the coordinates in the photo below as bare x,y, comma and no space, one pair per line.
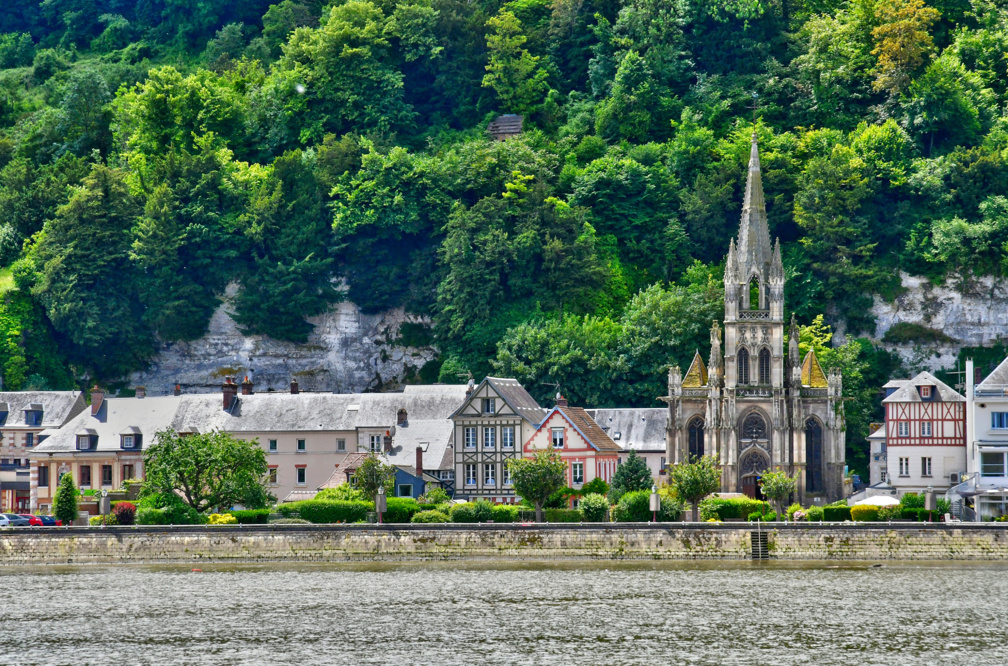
754,247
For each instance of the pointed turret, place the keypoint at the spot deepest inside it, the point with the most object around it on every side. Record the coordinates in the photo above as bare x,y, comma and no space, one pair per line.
731,284
696,376
775,284
754,235
812,374
715,364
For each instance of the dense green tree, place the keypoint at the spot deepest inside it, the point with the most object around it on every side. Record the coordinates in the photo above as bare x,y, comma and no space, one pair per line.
631,476
535,479
777,486
693,480
512,72
373,474
65,500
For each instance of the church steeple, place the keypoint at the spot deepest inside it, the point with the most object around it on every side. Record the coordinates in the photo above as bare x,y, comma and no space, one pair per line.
754,249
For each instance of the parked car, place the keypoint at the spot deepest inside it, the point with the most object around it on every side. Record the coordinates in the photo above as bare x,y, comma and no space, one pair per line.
4,520
16,520
50,521
34,521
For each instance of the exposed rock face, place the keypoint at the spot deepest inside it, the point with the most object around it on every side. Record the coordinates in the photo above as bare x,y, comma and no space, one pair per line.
347,352
973,314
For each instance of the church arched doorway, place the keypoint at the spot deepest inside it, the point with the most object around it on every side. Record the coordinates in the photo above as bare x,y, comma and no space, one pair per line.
754,452
752,464
696,437
814,481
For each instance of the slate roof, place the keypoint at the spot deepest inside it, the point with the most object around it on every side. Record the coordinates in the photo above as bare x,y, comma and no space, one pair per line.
696,376
909,393
638,429
588,428
515,395
812,374
878,434
996,380
339,475
508,124
117,415
58,407
895,383
434,435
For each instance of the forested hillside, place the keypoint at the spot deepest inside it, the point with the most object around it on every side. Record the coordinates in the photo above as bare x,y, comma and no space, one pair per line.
153,152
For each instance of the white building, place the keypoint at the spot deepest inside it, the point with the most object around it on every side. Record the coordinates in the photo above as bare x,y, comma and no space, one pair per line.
987,436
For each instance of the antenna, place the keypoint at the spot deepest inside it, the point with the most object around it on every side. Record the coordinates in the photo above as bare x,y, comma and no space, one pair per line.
755,105
465,375
961,375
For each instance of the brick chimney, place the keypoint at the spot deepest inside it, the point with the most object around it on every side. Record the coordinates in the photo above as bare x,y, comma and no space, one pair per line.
560,400
419,461
141,392
246,386
178,389
400,417
388,441
230,390
97,398
295,389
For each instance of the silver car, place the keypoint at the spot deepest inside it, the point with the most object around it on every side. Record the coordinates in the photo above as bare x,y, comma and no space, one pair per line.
14,520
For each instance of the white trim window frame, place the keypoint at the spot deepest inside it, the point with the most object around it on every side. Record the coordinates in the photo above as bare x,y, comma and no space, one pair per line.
507,437
925,428
925,465
470,474
902,428
577,472
999,420
904,466
489,475
506,475
469,435
557,437
993,464
489,437
374,443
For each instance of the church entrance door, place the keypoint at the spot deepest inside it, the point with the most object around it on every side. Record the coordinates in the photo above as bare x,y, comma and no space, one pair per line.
750,486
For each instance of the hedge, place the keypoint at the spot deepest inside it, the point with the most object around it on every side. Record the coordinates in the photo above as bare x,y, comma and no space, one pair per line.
400,509
563,515
430,516
170,515
909,513
835,514
327,511
731,508
480,511
866,513
251,516
506,513
924,514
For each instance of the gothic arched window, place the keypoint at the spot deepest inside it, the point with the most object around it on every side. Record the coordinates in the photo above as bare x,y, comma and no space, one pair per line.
813,456
764,366
754,294
743,366
754,427
696,438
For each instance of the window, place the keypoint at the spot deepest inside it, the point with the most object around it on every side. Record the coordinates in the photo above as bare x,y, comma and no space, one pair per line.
754,427
106,475
128,441
127,472
301,446
507,437
43,476
470,474
992,463
577,472
696,438
470,438
302,475
272,446
341,445
506,475
29,439
83,442
85,476
558,438
903,428
925,466
662,463
618,436
375,443
489,474
882,476
489,438
404,490
764,366
925,392
925,428
999,420
489,405
743,366
272,476
814,481
904,467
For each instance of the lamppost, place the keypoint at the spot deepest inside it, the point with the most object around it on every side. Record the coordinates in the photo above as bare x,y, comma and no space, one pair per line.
380,503
929,502
655,503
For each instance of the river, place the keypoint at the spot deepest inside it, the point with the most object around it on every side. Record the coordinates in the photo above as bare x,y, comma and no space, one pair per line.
457,613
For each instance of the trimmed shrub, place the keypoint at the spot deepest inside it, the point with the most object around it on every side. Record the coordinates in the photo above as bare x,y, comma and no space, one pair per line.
594,507
222,519
110,519
124,512
430,517
344,492
633,507
400,509
836,513
325,511
887,513
754,516
908,513
912,501
769,517
563,515
864,513
505,513
924,516
480,511
251,516
814,513
732,508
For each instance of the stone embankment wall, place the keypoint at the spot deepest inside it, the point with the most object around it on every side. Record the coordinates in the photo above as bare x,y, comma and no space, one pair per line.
21,546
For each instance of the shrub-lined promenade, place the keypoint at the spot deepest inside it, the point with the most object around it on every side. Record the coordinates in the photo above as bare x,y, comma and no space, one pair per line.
518,543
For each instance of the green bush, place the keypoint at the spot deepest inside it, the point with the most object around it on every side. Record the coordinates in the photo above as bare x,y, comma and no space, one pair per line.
887,513
864,513
943,506
430,517
731,508
633,507
166,509
344,492
251,516
814,513
596,486
480,511
908,513
505,513
912,501
594,507
563,515
769,517
832,513
325,511
400,509
435,496
109,519
924,516
754,516
792,509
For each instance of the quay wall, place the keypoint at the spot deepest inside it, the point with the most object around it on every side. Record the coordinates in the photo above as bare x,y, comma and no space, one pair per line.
525,543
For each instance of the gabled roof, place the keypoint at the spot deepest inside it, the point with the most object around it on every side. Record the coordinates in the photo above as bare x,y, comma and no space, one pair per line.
339,475
640,429
996,380
696,376
434,436
514,395
878,434
507,124
909,393
144,416
586,427
812,374
57,407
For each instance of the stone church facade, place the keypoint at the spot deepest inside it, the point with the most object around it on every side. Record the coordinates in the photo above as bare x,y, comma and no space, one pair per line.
756,405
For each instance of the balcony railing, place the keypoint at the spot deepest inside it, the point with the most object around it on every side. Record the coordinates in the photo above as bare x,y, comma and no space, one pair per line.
754,314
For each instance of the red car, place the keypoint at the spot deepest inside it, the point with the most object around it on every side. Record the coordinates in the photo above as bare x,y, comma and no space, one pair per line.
34,521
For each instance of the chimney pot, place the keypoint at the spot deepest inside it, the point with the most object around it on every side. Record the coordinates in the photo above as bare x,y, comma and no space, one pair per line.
419,462
230,391
295,389
141,392
246,386
178,389
97,398
401,417
560,400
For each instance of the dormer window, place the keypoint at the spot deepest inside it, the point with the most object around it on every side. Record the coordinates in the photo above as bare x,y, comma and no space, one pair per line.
925,392
128,441
33,416
83,442
489,406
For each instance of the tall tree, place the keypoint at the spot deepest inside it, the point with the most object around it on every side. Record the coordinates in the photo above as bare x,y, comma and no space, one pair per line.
536,479
694,480
512,72
902,42
632,475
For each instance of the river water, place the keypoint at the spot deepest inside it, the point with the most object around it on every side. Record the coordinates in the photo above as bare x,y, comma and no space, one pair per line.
612,613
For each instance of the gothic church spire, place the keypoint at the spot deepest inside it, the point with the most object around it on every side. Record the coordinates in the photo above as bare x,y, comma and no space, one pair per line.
754,249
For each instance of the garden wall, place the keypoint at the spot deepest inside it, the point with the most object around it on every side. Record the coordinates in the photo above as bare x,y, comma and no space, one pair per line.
342,543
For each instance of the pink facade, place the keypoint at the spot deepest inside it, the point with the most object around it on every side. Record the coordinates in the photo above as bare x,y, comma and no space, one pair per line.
588,451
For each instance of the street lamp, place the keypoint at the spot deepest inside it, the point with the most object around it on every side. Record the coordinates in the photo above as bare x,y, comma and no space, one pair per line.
655,503
380,503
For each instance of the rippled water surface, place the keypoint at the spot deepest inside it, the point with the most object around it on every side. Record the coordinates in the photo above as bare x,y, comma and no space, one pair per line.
741,613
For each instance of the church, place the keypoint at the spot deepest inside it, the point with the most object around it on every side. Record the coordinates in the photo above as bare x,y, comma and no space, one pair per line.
755,405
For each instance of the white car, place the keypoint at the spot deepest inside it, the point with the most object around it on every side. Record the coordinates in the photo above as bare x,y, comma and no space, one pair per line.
4,521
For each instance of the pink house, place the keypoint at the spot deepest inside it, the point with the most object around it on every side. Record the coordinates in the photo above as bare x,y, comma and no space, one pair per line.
586,448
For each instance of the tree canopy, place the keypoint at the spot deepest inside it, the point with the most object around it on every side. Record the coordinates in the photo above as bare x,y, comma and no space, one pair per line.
535,479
